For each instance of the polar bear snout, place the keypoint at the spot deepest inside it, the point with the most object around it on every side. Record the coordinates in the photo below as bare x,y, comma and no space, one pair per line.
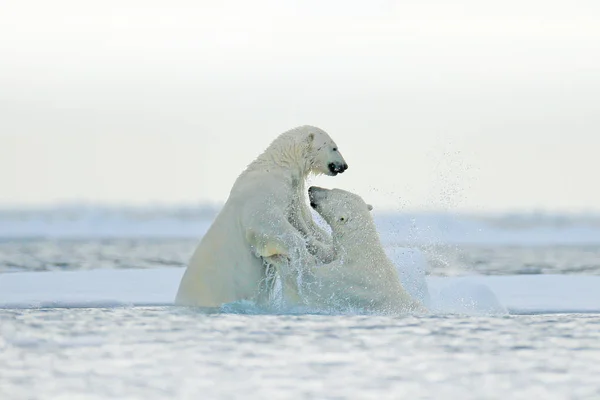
316,192
337,168
315,195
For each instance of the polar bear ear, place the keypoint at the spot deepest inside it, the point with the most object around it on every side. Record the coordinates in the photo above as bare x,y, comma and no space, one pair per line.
370,207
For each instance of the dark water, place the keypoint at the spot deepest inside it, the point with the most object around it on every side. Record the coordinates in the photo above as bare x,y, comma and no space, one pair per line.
171,353
514,260
69,254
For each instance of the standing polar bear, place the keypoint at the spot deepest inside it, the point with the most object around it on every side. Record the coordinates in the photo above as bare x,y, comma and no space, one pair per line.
264,217
361,276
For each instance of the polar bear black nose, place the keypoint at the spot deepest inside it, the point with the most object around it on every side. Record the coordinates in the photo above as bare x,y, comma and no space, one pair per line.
337,168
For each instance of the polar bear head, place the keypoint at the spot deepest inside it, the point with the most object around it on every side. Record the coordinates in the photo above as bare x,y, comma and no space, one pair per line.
324,156
343,211
305,149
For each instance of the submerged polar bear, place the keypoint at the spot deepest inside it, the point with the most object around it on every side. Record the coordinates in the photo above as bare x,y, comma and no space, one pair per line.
361,276
265,216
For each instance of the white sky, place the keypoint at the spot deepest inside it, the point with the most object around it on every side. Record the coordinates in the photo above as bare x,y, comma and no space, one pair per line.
467,105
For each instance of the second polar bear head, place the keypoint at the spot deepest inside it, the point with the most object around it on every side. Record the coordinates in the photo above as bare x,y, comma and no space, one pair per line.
325,158
340,208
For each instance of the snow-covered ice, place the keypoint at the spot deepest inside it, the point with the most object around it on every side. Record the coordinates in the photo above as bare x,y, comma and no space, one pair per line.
516,294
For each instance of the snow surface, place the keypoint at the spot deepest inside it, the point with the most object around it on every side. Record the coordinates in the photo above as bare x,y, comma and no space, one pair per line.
519,294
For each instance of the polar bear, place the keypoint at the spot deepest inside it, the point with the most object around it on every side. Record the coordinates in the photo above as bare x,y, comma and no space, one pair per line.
265,216
361,276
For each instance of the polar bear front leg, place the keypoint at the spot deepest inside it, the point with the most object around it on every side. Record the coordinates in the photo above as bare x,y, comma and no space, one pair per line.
301,218
289,284
318,242
266,244
281,240
315,230
287,253
322,251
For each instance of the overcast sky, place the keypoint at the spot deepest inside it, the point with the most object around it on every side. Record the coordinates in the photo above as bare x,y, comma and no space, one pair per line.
466,105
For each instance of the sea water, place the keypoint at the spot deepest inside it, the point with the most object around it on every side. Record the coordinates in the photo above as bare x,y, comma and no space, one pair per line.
127,350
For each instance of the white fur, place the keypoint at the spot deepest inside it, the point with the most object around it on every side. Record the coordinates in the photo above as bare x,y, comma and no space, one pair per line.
264,217
361,276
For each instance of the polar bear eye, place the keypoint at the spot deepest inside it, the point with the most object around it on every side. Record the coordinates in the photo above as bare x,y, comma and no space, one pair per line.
335,149
342,219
